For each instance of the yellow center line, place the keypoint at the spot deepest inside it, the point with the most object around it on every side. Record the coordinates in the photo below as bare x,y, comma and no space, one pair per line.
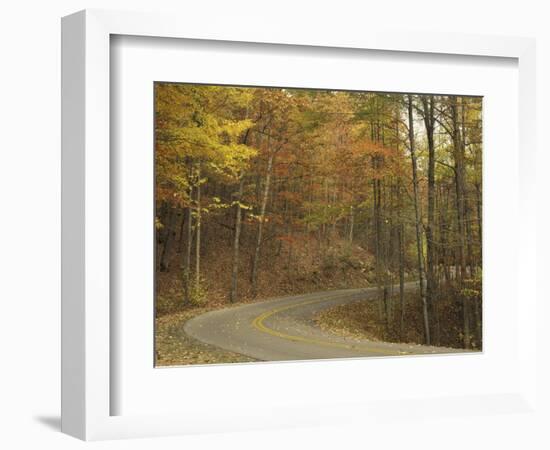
259,324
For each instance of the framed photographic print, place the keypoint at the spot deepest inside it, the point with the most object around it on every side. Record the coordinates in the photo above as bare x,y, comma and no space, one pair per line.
291,214
304,208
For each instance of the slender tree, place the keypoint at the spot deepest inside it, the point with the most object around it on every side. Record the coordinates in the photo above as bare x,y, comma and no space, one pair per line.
429,122
236,243
418,220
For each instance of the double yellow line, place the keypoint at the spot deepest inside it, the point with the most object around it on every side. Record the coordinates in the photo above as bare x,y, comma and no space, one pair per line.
259,324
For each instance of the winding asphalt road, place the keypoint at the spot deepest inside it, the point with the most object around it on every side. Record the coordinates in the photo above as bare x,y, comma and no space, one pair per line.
283,329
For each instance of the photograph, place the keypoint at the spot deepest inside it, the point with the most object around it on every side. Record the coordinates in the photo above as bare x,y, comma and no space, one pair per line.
298,224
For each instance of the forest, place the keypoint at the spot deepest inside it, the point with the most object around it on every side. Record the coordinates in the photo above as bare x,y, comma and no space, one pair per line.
266,192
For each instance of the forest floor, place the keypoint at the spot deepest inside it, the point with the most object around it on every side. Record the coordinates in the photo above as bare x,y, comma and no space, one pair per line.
321,325
284,269
284,329
299,270
361,320
173,347
287,272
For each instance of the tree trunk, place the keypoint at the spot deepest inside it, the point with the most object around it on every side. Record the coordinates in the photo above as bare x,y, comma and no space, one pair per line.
401,237
235,269
255,261
428,107
378,242
479,221
467,224
198,232
188,247
418,224
459,187
181,239
351,220
168,239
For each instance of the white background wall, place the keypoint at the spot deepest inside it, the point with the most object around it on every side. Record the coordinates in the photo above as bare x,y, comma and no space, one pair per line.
30,198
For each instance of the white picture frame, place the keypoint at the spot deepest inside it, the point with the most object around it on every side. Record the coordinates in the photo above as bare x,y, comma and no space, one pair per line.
87,386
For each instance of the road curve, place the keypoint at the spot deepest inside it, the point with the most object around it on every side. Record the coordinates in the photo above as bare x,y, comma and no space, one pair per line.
283,329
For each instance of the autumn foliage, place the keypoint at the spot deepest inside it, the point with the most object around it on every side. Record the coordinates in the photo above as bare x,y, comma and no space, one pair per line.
269,191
